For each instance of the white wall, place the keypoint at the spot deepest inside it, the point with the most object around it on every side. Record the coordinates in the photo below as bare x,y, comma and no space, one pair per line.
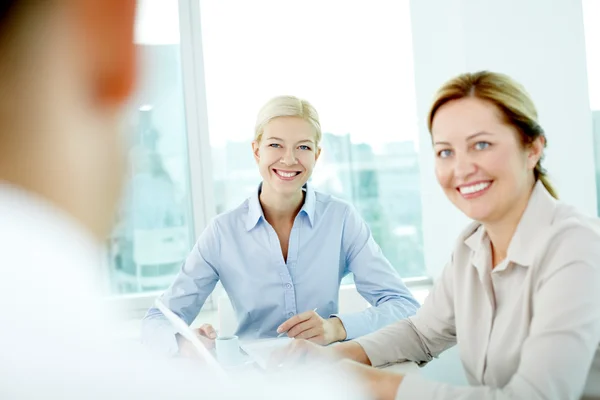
538,43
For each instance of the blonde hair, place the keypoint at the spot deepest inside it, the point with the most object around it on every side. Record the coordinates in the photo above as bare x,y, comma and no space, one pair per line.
287,106
509,97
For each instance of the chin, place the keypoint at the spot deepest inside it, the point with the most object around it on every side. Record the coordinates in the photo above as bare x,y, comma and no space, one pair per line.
277,187
287,189
478,215
476,212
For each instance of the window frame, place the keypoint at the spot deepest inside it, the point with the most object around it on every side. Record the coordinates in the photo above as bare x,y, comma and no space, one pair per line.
199,157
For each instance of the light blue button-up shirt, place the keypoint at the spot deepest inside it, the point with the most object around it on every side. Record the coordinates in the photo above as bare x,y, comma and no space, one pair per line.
240,248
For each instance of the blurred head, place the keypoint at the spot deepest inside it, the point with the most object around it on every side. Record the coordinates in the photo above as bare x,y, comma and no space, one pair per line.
66,69
286,143
488,144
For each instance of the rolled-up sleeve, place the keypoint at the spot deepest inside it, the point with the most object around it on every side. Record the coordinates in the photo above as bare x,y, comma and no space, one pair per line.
375,279
186,295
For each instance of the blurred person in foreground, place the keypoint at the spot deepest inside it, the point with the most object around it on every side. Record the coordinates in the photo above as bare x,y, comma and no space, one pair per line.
66,69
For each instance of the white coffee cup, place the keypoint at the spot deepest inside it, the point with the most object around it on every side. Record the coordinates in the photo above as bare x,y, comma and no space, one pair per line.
228,350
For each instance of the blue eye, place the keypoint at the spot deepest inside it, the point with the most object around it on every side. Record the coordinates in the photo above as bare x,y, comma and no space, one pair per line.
303,147
275,145
444,153
482,145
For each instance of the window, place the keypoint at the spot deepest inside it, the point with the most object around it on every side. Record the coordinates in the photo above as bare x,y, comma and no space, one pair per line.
591,11
153,233
354,64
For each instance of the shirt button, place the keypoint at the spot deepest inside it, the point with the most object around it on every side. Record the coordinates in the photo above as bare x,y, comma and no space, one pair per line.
290,314
288,285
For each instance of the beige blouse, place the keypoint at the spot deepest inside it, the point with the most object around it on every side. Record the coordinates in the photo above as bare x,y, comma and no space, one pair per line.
527,329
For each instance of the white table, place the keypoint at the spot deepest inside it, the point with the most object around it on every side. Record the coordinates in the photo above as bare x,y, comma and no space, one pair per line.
247,366
404,368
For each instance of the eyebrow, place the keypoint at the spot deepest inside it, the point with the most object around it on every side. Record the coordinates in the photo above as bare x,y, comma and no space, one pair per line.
471,137
281,140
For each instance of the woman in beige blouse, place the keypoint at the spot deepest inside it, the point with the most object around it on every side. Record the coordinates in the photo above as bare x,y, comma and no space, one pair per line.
521,292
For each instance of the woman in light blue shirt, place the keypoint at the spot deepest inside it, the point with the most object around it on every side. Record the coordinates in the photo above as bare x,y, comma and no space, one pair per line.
284,251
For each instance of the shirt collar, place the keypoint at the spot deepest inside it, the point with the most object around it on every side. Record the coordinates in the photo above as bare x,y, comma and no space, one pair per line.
255,211
309,206
536,219
479,244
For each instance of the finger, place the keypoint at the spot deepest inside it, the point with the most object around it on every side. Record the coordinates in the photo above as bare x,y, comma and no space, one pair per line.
208,343
302,327
208,331
188,350
295,320
314,335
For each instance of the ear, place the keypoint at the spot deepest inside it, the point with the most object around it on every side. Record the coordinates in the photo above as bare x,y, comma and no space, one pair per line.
317,153
256,151
107,29
535,151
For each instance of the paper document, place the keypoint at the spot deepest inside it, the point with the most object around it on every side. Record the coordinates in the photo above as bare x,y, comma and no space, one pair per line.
260,351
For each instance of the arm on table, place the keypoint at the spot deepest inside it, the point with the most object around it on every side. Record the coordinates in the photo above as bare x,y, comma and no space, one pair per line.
405,339
375,279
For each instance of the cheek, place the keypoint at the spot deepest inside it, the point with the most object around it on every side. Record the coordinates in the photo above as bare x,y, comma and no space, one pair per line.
307,159
501,164
443,173
268,157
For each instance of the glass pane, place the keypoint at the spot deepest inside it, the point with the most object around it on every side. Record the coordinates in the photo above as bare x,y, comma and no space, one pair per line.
357,72
153,232
591,14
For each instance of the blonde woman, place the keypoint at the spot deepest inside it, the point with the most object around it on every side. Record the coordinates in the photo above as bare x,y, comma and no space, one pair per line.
282,253
520,292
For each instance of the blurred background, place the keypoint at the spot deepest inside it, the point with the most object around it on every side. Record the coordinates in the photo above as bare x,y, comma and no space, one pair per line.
370,69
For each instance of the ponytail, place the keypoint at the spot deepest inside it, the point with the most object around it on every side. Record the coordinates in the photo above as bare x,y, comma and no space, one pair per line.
540,174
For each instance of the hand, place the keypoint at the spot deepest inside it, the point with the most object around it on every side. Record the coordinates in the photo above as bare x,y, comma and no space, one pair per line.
383,385
300,352
207,335
310,326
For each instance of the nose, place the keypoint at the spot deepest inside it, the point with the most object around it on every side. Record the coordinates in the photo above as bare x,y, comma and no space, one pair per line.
289,158
464,167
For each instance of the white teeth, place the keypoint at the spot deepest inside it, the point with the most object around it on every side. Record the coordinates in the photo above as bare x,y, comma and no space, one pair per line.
474,188
286,174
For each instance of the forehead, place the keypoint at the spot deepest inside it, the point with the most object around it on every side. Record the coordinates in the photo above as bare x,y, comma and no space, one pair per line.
289,129
464,117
